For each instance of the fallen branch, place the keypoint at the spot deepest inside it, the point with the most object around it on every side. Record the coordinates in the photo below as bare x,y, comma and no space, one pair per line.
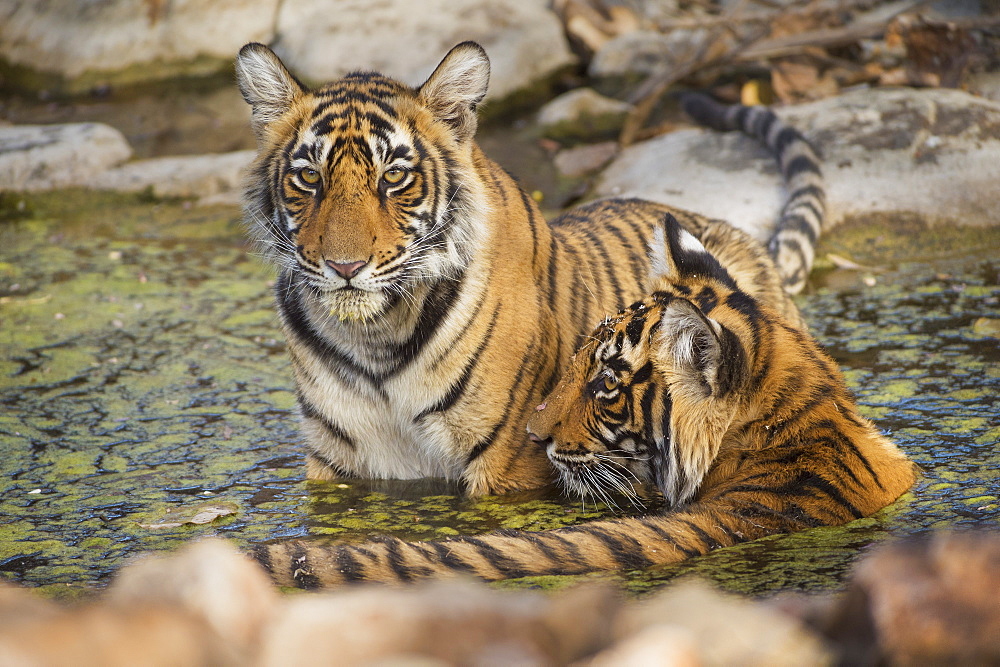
715,50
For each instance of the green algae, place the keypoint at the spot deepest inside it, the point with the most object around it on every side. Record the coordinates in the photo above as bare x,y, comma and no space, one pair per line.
143,375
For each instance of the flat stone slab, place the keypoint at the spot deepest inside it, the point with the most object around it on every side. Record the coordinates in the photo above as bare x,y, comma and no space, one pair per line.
43,157
212,178
932,153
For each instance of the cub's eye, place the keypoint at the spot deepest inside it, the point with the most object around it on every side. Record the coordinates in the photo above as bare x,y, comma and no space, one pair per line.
604,383
394,176
309,176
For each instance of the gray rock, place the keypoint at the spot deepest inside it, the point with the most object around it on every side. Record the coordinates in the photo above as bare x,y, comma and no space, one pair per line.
583,160
324,40
644,52
211,178
69,38
932,153
43,157
577,104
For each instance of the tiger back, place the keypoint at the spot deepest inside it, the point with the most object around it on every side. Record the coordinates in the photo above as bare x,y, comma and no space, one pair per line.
426,305
732,411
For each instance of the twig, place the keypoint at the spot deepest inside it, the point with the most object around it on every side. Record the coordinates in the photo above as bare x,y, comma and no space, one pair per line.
788,44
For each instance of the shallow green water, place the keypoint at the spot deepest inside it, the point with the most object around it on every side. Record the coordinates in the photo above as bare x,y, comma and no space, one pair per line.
143,381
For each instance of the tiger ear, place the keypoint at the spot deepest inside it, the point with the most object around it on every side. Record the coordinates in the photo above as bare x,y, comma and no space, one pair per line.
689,344
457,86
677,255
266,84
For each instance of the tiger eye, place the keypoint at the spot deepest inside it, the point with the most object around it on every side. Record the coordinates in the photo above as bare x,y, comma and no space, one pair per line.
610,383
394,176
310,176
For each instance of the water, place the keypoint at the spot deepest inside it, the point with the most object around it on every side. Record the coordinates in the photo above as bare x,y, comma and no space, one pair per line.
143,380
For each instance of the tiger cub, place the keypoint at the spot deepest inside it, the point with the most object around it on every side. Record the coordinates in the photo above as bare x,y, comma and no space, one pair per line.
426,304
733,412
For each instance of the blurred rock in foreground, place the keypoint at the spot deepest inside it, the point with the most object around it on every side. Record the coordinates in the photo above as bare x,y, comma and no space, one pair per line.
933,600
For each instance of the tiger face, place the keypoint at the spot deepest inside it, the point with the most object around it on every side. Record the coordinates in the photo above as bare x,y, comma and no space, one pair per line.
591,424
649,397
369,188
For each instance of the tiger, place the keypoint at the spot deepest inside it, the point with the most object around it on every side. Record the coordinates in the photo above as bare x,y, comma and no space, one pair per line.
701,390
426,304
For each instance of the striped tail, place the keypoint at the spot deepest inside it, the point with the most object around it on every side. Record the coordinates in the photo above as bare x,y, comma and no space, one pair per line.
793,243
623,544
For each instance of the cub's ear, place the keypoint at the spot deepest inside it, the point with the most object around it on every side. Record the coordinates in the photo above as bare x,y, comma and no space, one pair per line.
457,86
677,255
689,344
707,358
267,86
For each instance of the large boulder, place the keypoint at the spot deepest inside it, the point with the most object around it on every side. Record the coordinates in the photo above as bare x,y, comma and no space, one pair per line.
73,46
931,153
324,40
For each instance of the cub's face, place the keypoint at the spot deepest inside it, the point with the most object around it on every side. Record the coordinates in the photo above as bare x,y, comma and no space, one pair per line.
363,188
651,395
594,423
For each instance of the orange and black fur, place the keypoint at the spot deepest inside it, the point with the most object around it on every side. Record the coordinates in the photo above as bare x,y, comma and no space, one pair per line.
730,409
426,304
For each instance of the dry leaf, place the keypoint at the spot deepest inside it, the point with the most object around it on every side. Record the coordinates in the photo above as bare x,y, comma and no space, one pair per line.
844,263
987,326
937,53
197,514
795,81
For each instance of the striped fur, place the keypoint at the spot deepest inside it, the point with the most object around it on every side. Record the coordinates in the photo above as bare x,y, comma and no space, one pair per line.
735,413
426,304
793,242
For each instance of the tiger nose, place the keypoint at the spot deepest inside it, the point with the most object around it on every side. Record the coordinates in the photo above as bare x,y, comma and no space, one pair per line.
347,270
536,431
537,439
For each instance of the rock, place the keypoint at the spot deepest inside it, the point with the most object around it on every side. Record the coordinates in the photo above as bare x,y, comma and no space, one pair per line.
452,622
643,52
582,115
724,629
930,153
660,645
125,41
212,178
930,601
325,40
208,580
579,105
42,157
582,160
101,636
74,46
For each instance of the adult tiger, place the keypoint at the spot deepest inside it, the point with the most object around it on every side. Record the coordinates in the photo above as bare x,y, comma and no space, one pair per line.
426,304
733,411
